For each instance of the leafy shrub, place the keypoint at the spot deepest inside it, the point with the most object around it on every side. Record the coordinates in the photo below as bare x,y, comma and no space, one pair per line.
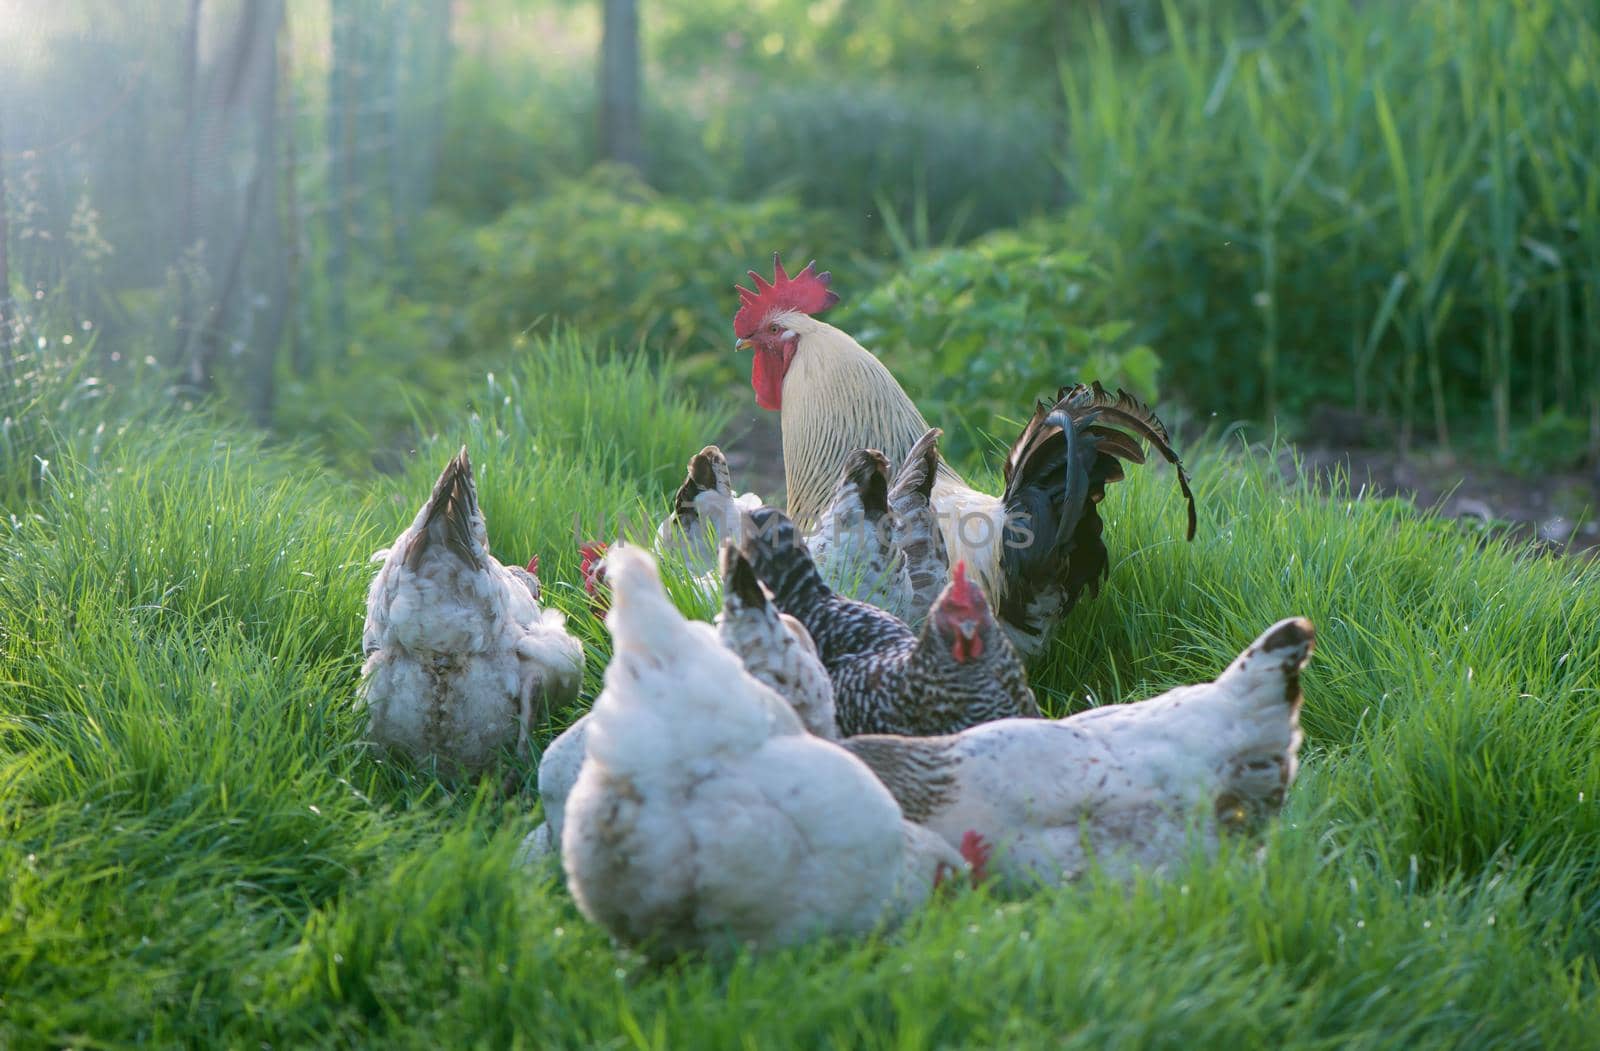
978,332
625,265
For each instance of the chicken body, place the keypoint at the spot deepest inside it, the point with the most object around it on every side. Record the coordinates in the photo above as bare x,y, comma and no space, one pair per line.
706,817
705,511
459,655
1125,785
1034,548
774,648
877,540
960,670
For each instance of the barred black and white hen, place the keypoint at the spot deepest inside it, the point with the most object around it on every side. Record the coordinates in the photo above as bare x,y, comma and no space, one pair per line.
960,670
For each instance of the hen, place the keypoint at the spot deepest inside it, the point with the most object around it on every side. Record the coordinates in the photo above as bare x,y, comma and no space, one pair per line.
1121,785
705,510
960,670
774,648
1036,546
459,656
705,817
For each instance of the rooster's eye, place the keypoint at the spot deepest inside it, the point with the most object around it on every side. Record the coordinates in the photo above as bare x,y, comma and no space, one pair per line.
772,328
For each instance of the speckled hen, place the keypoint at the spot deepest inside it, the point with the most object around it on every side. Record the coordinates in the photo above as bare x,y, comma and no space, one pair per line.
460,658
1125,785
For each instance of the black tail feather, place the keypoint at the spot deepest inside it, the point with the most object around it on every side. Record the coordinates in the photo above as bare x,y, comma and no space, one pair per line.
1056,475
1124,410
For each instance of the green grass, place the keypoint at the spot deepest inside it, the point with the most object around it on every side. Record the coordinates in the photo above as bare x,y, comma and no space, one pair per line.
196,849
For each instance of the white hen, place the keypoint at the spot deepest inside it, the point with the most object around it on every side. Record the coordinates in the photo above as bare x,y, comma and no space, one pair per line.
1124,784
705,816
460,657
774,648
705,511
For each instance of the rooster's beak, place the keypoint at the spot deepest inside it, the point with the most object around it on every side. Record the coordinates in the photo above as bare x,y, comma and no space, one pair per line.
741,344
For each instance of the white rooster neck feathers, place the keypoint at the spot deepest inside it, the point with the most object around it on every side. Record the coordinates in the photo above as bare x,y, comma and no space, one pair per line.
838,398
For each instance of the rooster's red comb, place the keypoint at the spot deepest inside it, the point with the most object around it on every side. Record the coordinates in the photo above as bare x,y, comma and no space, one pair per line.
806,292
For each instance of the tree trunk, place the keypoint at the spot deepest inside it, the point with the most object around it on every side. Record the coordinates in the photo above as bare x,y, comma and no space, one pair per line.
186,204
341,147
399,152
254,64
7,318
263,371
620,139
294,298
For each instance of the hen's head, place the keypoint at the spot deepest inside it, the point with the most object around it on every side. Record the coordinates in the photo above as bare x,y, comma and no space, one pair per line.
767,321
962,617
592,554
976,852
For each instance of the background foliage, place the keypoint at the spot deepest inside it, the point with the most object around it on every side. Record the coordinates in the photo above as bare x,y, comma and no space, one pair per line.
1388,207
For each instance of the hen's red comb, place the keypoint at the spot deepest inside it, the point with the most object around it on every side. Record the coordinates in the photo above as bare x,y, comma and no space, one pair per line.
962,594
977,851
806,292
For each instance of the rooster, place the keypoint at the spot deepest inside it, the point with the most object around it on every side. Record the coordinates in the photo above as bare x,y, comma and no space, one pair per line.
1123,785
960,670
459,655
705,817
1034,548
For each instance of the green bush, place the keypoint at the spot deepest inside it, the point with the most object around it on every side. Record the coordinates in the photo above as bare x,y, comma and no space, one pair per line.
978,332
624,265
